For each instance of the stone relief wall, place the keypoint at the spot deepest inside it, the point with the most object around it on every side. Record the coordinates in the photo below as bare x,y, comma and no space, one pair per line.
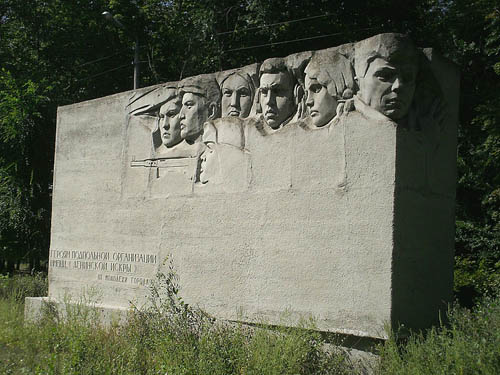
200,126
321,183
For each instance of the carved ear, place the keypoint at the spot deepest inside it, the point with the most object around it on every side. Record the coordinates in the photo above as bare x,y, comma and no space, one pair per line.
212,111
258,107
298,93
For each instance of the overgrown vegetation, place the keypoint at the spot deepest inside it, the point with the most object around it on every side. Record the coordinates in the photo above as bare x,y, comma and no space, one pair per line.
470,344
167,337
171,337
19,287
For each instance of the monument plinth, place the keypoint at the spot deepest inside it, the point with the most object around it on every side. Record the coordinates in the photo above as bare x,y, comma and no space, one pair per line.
321,184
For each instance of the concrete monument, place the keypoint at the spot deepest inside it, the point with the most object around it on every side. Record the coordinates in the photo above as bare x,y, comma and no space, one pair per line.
322,184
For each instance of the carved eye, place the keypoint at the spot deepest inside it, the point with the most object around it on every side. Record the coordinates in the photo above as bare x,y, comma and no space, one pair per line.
316,88
227,93
244,92
171,113
264,91
384,75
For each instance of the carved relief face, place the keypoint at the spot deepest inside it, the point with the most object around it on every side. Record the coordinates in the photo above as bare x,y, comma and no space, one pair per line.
192,115
389,87
236,97
276,98
169,124
209,166
322,106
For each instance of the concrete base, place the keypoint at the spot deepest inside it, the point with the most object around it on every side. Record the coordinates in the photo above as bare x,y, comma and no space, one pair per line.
36,307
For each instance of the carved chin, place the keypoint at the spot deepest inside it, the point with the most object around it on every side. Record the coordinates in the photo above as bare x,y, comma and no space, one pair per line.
395,113
320,120
272,120
171,142
274,124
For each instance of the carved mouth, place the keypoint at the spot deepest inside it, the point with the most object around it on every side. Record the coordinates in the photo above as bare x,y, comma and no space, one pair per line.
271,114
314,113
234,113
394,103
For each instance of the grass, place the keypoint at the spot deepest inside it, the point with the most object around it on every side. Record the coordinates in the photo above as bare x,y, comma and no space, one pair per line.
168,337
171,337
469,344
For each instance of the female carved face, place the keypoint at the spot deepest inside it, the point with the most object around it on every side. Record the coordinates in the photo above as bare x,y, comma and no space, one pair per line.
236,97
322,106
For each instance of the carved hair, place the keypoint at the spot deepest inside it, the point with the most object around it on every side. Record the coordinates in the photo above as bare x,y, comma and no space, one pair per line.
276,65
334,71
203,85
168,93
243,75
390,47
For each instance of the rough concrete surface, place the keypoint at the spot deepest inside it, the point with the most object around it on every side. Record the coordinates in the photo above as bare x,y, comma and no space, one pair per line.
345,215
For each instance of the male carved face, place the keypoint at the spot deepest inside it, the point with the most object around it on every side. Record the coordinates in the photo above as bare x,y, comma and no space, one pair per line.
322,106
236,97
192,115
388,87
276,98
209,166
169,124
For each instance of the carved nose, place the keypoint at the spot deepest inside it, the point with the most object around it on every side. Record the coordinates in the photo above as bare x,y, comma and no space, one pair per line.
270,99
309,101
396,84
234,100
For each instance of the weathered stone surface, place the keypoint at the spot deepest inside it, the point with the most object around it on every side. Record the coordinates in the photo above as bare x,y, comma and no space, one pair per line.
318,184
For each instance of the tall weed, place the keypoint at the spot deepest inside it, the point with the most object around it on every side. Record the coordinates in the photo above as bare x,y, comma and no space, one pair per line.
469,344
20,286
167,336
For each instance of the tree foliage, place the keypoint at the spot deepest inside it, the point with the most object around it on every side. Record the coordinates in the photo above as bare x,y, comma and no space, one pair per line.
58,52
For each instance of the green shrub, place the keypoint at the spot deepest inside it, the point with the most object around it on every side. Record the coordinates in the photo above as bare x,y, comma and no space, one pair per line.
20,286
185,340
171,337
166,337
470,344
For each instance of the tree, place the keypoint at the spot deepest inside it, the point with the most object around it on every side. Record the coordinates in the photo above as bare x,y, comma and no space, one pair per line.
58,52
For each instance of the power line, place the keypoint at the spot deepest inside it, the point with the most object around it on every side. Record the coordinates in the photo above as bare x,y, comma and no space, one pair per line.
106,71
101,58
274,24
293,40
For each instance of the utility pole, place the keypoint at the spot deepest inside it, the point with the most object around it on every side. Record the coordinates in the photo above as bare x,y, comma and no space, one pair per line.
109,16
136,63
